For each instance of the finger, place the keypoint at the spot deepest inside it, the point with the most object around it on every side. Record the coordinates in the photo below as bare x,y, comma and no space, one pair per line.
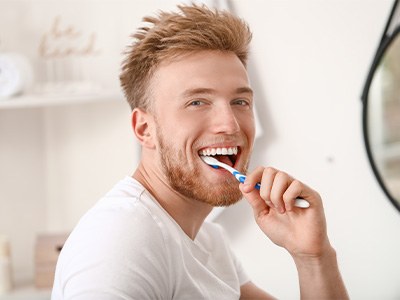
279,187
293,191
265,176
252,179
266,185
297,189
252,196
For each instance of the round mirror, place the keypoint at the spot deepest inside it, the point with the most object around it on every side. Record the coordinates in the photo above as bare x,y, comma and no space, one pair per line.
381,117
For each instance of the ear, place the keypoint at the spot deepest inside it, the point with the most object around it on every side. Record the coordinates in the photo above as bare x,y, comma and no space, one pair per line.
142,122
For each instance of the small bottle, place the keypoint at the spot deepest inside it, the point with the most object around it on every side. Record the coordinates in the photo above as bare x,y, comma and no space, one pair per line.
5,266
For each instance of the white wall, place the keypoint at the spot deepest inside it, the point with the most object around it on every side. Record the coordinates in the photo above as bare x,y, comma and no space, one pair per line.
55,162
22,201
309,61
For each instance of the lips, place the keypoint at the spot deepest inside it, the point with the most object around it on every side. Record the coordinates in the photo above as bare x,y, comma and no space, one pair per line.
227,155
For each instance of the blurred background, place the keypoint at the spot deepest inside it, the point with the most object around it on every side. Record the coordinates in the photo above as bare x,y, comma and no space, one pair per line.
65,136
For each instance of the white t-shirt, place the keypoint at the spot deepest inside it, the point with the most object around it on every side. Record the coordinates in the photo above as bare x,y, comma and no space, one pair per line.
128,247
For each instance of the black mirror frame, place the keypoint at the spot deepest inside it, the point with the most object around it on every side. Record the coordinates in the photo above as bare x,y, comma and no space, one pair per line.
385,43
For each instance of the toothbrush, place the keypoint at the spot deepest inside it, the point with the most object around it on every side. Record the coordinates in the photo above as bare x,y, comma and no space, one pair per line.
299,202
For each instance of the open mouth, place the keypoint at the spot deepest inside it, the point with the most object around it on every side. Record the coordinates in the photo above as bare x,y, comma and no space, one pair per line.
227,155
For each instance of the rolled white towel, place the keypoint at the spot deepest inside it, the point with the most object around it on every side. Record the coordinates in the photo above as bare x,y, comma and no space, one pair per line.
16,74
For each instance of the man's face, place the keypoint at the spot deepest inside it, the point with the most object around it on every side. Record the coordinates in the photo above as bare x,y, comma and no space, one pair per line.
203,106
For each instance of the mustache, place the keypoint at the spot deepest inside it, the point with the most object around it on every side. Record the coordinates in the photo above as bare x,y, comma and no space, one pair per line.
222,139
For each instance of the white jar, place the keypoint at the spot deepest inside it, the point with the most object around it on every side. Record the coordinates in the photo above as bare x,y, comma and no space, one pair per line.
5,266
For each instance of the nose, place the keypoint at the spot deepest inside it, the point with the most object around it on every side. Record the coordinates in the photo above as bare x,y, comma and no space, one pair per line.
225,121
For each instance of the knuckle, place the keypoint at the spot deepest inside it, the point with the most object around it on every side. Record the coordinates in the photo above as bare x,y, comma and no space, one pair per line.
297,184
281,175
259,169
270,171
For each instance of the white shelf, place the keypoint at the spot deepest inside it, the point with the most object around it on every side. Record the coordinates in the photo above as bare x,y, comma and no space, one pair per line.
27,292
46,100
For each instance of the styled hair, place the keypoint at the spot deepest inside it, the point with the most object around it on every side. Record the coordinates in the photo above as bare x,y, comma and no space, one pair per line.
192,28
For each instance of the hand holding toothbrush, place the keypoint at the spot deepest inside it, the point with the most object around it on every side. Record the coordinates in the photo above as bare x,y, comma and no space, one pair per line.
279,203
301,231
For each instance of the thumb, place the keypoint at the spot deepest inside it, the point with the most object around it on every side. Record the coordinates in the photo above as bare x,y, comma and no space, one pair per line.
253,197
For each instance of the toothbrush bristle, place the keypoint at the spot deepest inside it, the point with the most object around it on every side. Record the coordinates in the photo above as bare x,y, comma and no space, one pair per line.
210,161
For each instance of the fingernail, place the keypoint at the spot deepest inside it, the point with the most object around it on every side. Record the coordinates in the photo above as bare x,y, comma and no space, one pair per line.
243,187
246,186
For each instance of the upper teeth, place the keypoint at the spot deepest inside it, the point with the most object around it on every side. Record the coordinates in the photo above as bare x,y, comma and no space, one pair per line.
219,151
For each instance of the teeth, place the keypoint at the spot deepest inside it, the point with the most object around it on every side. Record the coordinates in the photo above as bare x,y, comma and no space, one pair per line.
219,151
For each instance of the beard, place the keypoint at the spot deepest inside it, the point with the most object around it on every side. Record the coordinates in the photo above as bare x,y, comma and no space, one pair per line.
188,181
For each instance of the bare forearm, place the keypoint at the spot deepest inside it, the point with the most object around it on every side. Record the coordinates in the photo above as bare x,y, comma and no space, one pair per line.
320,277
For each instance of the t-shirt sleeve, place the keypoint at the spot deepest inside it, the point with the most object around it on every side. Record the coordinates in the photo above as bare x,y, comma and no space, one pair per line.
111,255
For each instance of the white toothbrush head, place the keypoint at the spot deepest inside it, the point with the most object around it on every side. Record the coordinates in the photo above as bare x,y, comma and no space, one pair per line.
216,163
210,161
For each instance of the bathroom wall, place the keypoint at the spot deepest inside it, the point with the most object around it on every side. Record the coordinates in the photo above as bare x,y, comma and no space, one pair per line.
57,160
308,64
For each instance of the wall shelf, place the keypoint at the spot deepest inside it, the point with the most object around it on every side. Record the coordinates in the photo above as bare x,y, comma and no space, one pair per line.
53,99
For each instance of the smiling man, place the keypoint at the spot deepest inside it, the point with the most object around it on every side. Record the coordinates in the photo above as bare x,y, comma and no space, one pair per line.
185,79
202,106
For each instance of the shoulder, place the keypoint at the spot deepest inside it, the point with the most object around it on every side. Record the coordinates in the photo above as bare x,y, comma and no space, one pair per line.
120,221
121,216
113,245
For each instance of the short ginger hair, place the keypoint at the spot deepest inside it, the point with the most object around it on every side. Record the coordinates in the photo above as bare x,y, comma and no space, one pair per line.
192,28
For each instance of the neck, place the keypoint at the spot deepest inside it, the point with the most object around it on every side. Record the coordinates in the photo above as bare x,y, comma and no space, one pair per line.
188,213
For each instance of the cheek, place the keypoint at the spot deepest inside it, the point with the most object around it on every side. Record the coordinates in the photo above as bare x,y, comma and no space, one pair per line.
247,125
179,133
186,125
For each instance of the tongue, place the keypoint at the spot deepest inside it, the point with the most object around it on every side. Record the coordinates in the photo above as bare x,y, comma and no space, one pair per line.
224,159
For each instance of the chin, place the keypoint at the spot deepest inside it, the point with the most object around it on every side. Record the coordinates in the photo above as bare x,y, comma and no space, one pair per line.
227,195
226,202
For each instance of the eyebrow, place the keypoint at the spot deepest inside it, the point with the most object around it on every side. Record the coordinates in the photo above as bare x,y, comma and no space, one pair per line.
244,90
198,91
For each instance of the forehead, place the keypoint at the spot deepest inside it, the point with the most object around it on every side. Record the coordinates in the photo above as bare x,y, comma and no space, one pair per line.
218,71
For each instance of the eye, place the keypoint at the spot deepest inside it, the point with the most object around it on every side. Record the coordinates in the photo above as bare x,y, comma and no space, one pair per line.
196,103
241,102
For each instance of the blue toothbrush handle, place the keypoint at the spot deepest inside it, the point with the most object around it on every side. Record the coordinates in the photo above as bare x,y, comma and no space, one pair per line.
241,178
299,202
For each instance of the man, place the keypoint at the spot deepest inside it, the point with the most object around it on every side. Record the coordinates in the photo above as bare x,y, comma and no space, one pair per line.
186,81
